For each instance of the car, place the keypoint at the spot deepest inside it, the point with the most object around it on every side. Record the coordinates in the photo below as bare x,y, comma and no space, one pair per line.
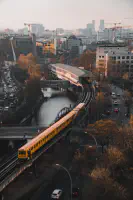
113,93
116,110
6,108
114,96
56,194
107,112
115,102
75,192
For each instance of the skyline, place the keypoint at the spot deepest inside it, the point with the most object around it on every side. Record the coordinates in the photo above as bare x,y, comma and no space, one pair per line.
65,14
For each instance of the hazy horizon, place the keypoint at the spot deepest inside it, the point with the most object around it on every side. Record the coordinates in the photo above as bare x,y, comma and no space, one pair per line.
67,14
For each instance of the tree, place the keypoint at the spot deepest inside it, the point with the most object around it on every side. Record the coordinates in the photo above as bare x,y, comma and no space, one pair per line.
87,59
75,62
115,160
99,104
32,90
104,130
125,76
100,97
104,187
29,63
128,101
131,121
62,59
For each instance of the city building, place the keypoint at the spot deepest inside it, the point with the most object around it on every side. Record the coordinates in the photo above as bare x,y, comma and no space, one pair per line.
115,59
23,31
59,31
37,29
21,45
93,23
101,27
89,29
72,41
49,47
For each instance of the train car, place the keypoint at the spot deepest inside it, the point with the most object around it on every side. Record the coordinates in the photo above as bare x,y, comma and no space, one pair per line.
27,151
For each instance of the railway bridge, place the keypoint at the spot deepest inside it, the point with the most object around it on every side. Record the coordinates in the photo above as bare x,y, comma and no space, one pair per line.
52,83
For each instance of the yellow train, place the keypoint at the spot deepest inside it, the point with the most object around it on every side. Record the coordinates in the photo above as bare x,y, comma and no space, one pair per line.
27,151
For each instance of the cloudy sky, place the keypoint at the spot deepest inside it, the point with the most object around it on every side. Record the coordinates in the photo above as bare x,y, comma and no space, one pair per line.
68,14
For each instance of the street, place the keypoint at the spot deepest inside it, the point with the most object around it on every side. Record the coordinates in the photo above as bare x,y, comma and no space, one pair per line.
120,116
60,181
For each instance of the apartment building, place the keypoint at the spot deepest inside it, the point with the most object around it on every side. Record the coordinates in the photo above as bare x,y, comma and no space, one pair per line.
115,59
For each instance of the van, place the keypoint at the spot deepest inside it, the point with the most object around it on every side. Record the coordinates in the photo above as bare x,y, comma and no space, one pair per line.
113,93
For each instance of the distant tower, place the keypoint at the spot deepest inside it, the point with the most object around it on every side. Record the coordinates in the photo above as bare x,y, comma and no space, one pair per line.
93,24
101,27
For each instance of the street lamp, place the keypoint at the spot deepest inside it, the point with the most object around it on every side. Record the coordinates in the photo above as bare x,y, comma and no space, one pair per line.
58,165
94,139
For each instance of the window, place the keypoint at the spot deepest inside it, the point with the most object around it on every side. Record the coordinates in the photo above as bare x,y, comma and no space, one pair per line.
127,57
102,56
131,57
22,152
132,66
127,61
131,61
123,57
118,57
118,62
99,56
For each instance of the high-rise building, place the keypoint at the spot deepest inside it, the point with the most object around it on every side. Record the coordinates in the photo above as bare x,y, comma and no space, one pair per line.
93,23
101,27
91,28
37,29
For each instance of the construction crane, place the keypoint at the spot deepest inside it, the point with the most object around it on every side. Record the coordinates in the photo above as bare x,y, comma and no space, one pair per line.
115,28
29,28
129,18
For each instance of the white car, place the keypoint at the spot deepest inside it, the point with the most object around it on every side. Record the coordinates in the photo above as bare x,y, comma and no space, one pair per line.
56,194
115,102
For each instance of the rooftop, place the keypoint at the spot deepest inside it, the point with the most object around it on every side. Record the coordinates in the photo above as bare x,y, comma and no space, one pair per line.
74,70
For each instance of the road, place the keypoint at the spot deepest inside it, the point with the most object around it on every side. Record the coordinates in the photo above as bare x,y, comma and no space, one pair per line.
60,181
120,116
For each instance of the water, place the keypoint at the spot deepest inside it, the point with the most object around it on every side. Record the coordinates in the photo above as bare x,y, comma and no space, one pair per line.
49,109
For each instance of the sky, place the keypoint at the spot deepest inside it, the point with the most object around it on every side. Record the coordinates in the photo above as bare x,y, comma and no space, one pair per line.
67,14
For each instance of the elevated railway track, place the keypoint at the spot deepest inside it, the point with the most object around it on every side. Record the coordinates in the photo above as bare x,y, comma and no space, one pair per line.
12,168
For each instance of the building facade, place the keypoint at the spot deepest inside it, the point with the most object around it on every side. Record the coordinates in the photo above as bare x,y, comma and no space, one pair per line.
116,60
101,27
37,29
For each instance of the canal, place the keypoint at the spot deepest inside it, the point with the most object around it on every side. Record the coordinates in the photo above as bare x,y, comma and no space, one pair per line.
50,108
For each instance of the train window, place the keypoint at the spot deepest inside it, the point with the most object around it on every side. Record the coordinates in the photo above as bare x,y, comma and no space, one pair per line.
22,152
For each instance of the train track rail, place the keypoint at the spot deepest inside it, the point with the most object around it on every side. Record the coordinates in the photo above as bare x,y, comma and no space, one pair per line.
9,166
